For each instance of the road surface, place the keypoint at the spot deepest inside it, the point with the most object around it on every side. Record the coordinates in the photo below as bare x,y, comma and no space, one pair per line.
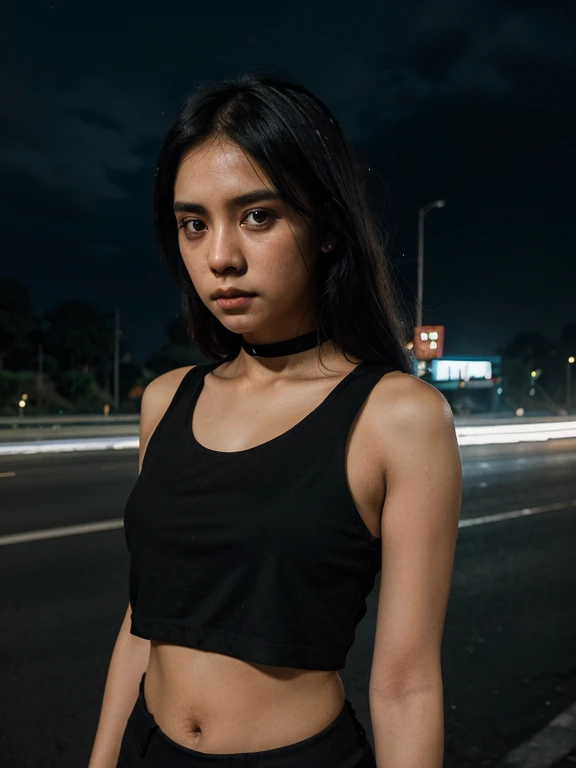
510,636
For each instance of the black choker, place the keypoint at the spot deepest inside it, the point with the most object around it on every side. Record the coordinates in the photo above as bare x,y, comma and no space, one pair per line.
288,347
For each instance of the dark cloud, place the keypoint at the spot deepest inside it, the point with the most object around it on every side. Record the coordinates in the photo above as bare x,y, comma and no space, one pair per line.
454,49
70,139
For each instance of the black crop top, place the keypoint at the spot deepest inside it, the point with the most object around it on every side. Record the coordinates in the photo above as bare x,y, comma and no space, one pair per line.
261,553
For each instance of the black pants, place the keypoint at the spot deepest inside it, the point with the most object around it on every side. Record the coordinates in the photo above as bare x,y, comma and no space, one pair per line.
342,744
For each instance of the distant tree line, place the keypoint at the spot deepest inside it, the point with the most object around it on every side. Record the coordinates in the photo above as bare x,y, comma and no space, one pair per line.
537,373
63,360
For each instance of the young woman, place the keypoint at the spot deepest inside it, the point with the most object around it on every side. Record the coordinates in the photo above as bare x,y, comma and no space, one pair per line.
278,480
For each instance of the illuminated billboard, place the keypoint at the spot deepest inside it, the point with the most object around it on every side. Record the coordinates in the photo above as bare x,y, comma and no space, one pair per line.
465,370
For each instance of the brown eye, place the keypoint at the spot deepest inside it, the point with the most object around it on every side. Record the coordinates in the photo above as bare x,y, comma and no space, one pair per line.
258,214
188,230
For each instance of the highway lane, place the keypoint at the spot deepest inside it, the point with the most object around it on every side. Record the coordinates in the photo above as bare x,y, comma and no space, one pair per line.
508,649
43,491
64,489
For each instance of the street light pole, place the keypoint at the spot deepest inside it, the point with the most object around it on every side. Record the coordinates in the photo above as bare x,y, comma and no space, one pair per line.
568,383
116,360
40,381
421,213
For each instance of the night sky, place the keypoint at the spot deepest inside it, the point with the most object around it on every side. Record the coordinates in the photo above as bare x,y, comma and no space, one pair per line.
468,101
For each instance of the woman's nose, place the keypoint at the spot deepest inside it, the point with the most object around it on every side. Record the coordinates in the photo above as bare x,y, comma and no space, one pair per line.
224,250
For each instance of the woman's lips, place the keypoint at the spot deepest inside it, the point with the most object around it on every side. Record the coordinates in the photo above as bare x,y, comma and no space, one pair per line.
237,301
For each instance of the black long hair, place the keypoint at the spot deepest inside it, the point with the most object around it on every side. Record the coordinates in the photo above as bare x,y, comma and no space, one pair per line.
299,143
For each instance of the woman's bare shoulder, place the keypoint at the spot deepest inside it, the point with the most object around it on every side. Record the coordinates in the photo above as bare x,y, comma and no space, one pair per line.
156,398
406,409
403,397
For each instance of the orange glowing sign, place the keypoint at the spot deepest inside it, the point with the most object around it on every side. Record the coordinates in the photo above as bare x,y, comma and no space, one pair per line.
428,341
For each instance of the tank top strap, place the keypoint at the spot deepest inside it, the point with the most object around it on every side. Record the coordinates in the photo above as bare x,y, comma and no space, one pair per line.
334,421
327,424
169,429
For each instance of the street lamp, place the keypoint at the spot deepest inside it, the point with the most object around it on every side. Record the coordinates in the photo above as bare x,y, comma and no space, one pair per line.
568,364
422,212
22,404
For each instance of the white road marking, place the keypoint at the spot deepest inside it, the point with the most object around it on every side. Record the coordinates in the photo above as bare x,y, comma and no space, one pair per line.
498,517
109,525
56,533
7,474
548,745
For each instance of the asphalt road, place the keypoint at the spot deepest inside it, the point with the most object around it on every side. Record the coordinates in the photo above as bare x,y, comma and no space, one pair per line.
509,641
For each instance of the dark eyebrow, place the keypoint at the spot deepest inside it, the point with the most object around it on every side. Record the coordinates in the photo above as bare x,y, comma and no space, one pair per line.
257,196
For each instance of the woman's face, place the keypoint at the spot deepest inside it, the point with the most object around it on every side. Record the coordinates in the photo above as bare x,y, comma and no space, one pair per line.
260,245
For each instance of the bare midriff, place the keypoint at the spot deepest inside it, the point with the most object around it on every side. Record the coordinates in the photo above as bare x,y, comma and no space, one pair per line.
214,703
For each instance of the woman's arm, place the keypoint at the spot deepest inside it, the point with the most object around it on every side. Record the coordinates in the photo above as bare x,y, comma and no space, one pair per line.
130,656
416,440
128,663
